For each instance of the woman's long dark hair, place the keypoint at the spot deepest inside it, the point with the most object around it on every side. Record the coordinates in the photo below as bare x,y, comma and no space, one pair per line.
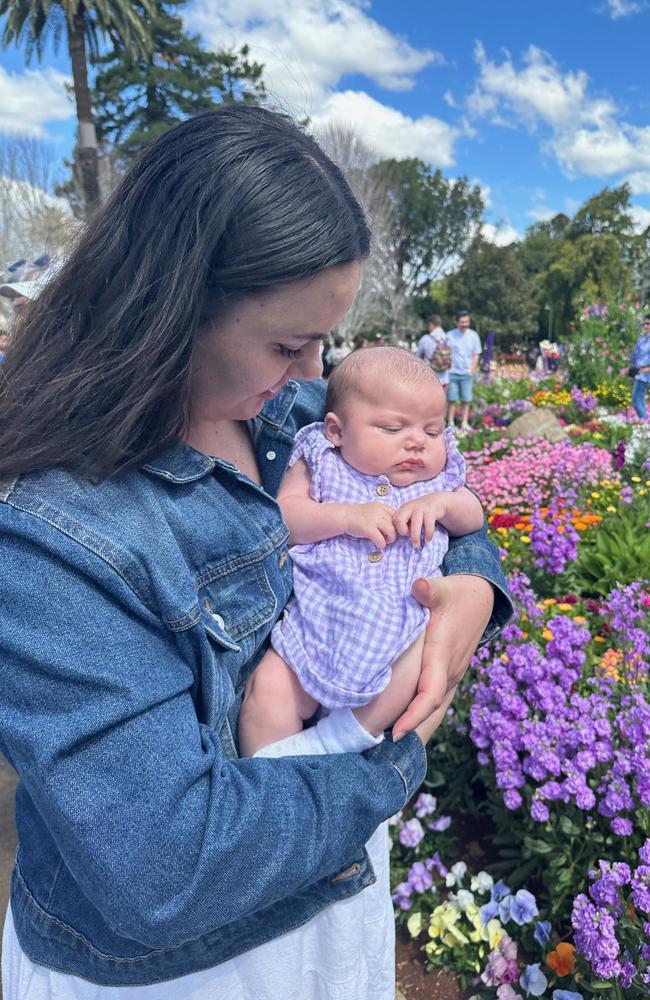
226,204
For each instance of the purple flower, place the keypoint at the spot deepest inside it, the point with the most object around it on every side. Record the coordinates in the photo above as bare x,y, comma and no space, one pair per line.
411,833
419,877
440,824
644,852
641,888
566,995
533,980
622,827
402,896
542,933
425,804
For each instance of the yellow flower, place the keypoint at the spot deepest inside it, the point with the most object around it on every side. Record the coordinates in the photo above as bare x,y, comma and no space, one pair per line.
525,539
495,932
642,493
505,658
548,601
564,607
548,635
596,496
415,924
524,635
580,619
611,510
599,638
442,918
635,479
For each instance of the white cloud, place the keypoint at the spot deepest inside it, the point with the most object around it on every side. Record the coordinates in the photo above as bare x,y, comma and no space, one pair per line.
307,46
387,131
29,100
622,8
584,132
541,213
639,182
449,98
503,234
641,217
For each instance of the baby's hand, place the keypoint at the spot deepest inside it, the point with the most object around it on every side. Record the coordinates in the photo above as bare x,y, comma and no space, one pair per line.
371,520
420,514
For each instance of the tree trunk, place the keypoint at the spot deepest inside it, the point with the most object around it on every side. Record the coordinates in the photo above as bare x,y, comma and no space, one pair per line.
86,153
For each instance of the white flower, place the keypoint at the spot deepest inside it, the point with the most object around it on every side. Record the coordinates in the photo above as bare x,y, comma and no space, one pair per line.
481,882
465,899
457,874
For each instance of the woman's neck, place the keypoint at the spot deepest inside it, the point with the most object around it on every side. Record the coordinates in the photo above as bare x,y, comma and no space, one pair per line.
227,439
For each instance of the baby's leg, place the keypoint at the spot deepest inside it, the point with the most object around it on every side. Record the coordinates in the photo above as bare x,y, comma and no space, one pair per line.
274,705
389,704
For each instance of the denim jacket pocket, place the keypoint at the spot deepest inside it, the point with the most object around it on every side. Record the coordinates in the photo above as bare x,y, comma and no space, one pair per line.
235,603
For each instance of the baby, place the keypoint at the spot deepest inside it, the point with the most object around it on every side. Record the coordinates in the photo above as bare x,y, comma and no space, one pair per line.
370,498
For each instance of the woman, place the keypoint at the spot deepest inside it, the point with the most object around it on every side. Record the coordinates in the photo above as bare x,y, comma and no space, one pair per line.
640,362
146,418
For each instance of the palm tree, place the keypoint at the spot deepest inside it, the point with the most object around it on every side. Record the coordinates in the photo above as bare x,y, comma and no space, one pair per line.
32,22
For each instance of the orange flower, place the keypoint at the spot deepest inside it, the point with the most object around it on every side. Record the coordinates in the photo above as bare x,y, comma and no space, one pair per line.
563,959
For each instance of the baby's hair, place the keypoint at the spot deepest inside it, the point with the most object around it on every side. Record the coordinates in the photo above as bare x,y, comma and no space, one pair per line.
357,372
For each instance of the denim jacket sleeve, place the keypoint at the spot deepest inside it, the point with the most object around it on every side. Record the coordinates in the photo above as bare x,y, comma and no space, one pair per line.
476,555
166,836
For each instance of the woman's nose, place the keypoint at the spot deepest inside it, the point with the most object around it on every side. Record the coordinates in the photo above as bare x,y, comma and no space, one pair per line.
310,366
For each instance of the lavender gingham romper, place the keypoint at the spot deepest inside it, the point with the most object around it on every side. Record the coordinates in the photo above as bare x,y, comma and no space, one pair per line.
352,613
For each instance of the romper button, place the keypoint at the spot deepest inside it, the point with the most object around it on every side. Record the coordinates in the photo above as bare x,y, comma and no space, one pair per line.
382,490
374,557
282,560
270,455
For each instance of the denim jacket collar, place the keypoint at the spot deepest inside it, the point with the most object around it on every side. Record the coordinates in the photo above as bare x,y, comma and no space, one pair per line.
180,463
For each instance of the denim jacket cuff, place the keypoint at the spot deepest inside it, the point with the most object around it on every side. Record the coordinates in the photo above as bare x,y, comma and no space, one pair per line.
408,757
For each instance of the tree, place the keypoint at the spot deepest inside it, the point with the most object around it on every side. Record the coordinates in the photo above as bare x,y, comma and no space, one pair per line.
139,95
32,22
32,221
492,283
607,212
433,221
382,301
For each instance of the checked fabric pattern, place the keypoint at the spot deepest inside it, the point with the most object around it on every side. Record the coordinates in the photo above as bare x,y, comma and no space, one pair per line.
352,612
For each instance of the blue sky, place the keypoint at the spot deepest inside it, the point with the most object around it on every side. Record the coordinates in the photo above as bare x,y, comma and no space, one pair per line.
542,104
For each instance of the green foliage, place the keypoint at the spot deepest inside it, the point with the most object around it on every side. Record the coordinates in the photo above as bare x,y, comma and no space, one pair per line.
434,218
616,554
493,283
138,97
599,348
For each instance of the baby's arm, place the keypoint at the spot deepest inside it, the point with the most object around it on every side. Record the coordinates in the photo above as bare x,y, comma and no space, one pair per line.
459,512
464,513
310,521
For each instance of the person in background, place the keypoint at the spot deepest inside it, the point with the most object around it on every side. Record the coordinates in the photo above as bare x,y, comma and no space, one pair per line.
434,348
465,351
334,356
640,360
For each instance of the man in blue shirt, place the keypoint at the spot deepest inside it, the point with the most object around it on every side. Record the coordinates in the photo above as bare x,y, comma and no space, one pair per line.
640,359
465,352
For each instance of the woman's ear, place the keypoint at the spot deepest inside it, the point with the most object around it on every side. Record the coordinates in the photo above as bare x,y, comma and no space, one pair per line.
333,429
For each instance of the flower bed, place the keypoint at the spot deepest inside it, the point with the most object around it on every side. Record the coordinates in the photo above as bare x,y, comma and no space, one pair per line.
524,865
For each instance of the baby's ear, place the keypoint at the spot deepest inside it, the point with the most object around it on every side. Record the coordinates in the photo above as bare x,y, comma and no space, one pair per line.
333,429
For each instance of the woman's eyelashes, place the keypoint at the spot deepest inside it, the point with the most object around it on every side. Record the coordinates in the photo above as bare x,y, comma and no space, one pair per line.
288,352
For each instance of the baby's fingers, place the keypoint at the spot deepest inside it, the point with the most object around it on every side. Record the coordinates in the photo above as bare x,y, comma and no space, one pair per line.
401,520
429,526
417,521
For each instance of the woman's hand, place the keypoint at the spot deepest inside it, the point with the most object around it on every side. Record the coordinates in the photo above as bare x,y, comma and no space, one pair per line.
460,607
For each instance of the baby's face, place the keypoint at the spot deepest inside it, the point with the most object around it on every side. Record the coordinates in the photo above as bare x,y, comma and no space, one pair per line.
397,431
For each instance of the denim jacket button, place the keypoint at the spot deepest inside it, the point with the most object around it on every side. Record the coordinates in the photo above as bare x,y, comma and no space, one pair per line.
347,873
270,455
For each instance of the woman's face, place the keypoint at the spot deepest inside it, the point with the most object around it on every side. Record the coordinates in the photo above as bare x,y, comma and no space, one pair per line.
261,342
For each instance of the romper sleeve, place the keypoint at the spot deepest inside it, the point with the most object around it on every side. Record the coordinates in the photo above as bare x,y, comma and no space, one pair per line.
311,445
452,476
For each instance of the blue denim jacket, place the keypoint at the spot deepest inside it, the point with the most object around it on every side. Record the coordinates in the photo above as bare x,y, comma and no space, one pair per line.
132,613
